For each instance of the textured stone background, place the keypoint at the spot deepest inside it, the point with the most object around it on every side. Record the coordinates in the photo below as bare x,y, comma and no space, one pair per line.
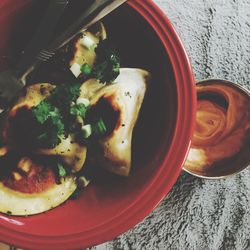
203,214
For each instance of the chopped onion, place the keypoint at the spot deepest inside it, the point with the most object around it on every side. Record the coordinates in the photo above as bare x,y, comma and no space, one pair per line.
82,100
88,42
76,69
86,131
83,182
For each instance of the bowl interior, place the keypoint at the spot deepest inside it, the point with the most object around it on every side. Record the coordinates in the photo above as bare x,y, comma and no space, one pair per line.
108,195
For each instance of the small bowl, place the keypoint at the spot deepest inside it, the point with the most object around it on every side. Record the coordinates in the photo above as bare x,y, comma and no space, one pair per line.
110,206
239,161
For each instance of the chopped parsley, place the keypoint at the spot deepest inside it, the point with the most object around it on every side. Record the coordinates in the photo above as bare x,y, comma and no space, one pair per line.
78,110
86,69
55,114
107,65
42,111
64,95
61,112
50,116
61,170
58,116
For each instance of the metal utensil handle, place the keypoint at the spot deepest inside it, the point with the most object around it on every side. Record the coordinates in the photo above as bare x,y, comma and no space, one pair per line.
42,35
97,10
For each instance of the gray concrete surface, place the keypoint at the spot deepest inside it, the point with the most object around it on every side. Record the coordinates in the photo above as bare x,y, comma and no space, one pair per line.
203,214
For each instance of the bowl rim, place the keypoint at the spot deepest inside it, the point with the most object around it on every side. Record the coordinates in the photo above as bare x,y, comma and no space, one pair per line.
160,184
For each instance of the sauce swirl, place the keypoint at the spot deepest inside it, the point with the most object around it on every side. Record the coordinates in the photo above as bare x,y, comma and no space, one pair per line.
222,126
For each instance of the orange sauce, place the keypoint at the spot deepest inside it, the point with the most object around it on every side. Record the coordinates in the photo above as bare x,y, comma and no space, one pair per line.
222,122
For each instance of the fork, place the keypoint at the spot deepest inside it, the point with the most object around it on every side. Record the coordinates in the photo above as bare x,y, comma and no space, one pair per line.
96,11
12,80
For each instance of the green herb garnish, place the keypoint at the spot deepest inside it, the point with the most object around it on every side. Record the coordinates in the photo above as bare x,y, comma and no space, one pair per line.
78,110
61,170
64,95
107,65
55,114
49,116
42,111
99,128
86,69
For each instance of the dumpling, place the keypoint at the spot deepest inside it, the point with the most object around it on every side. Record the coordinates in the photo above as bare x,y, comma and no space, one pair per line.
119,103
69,151
72,153
29,183
16,201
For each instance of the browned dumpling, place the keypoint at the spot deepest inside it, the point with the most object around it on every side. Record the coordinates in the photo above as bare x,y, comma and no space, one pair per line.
31,186
73,154
124,97
30,177
19,202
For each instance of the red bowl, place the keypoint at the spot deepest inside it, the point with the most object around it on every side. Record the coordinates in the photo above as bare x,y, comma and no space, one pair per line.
110,205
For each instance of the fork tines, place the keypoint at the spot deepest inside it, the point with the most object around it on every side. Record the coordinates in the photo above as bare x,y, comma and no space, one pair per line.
45,55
